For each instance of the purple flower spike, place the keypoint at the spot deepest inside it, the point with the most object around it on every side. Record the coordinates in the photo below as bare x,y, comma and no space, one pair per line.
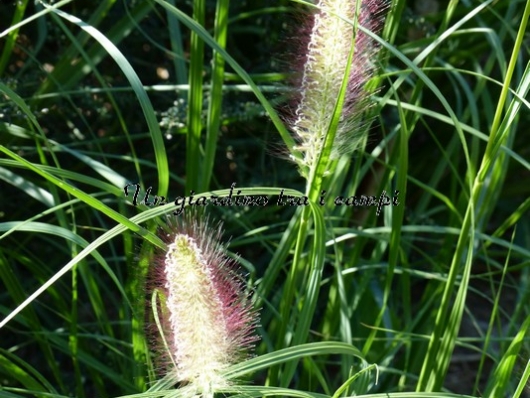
324,68
208,314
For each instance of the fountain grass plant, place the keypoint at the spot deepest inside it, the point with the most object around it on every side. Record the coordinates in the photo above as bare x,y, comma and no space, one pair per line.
428,299
207,322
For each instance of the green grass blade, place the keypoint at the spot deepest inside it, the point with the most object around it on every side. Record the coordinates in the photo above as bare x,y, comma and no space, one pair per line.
134,80
92,202
523,382
498,383
207,38
177,45
291,354
65,76
215,101
12,36
195,99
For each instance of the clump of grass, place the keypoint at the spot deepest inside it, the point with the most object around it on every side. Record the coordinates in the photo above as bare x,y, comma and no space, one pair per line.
354,303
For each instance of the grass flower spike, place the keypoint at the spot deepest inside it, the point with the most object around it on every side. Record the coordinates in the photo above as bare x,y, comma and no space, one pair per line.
208,315
326,61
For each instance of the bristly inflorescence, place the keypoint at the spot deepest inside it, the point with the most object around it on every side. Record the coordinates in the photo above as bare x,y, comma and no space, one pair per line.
208,314
326,60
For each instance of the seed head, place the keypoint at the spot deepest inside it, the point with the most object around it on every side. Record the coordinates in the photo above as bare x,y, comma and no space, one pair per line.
325,64
209,316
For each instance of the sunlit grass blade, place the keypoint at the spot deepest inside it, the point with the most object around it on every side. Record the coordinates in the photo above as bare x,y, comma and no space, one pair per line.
207,38
498,383
525,378
16,292
120,228
213,120
12,36
134,80
77,45
27,187
177,45
37,15
65,76
23,373
310,291
195,98
292,354
395,249
94,203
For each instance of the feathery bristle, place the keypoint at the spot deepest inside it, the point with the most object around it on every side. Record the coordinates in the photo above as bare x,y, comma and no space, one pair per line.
209,316
325,65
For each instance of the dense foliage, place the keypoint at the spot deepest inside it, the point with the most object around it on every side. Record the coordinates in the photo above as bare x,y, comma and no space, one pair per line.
425,297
